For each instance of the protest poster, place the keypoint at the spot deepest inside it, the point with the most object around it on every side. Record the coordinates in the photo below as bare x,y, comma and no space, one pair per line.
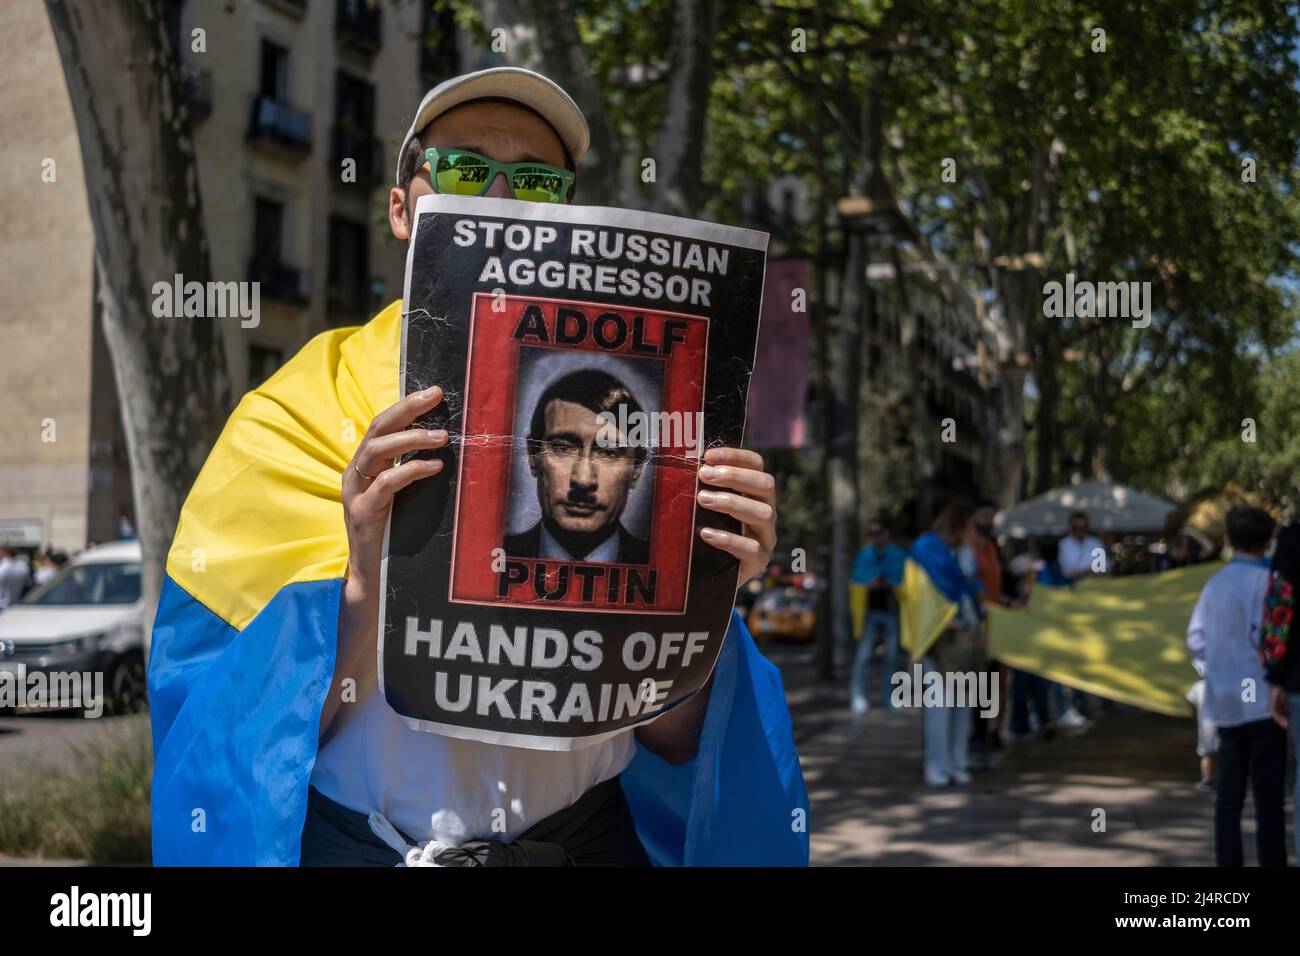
549,587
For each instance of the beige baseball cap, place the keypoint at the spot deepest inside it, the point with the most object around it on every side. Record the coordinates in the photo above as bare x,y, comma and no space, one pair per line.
530,89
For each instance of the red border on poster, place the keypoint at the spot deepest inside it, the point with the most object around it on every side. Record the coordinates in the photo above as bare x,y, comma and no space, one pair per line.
489,433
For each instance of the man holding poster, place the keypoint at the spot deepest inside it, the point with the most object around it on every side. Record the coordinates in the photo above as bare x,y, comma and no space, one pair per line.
554,675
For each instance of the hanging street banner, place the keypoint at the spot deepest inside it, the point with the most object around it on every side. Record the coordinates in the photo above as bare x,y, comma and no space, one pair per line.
549,588
778,393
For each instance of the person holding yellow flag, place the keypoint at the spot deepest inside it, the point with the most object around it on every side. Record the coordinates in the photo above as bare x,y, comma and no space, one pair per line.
878,568
958,648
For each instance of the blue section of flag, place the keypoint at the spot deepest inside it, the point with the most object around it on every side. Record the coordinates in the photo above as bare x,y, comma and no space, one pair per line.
872,563
932,553
235,725
741,801
236,721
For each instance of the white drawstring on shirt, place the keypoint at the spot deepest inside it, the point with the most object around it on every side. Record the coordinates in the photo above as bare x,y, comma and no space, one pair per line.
411,855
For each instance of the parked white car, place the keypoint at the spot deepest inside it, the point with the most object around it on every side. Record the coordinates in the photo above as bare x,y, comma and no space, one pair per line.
89,617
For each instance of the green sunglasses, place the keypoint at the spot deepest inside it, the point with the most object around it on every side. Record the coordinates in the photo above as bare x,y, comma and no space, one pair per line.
458,172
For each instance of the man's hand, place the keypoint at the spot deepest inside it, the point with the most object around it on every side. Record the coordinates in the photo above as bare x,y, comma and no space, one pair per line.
369,483
371,480
1278,705
752,501
675,736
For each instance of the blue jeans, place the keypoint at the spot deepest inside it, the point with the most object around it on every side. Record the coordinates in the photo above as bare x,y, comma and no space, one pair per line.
946,732
884,623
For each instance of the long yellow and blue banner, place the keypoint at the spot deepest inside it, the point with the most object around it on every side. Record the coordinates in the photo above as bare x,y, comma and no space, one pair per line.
1120,638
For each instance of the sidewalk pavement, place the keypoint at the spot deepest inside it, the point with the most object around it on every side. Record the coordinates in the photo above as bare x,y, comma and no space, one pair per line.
1035,806
24,861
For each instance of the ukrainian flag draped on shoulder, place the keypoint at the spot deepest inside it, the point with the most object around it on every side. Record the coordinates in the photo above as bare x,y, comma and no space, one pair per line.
932,588
244,640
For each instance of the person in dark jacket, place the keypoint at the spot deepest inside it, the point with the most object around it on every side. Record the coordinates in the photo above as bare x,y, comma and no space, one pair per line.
1278,642
583,479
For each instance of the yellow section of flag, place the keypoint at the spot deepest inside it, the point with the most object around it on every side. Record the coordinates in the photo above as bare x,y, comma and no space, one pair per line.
857,606
923,611
267,508
1121,638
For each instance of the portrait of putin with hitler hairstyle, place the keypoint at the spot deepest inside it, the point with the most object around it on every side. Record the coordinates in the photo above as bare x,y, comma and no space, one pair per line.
584,471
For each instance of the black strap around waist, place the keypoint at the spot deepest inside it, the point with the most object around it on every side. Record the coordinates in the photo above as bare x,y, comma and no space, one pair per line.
596,830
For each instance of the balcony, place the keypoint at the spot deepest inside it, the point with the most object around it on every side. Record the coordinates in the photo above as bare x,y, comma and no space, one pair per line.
279,282
196,91
280,125
367,150
358,25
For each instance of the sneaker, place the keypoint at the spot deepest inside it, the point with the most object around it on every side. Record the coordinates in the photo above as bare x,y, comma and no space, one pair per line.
960,777
1072,718
936,779
1206,786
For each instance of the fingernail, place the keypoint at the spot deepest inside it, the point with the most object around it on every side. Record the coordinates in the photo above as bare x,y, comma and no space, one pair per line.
438,435
708,534
428,392
708,498
708,471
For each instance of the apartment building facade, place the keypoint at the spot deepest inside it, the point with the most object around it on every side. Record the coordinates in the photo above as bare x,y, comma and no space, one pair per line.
297,109
930,415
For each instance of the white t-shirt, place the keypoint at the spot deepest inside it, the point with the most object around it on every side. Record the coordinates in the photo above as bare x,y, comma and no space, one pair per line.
433,787
1076,557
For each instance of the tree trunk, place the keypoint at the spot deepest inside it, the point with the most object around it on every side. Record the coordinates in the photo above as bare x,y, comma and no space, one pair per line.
547,39
679,142
1047,434
846,371
924,464
142,188
1012,290
1011,437
842,441
1030,327
825,653
557,52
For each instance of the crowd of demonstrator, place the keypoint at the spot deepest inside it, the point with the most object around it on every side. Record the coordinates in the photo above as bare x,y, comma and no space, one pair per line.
1238,638
17,576
961,555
